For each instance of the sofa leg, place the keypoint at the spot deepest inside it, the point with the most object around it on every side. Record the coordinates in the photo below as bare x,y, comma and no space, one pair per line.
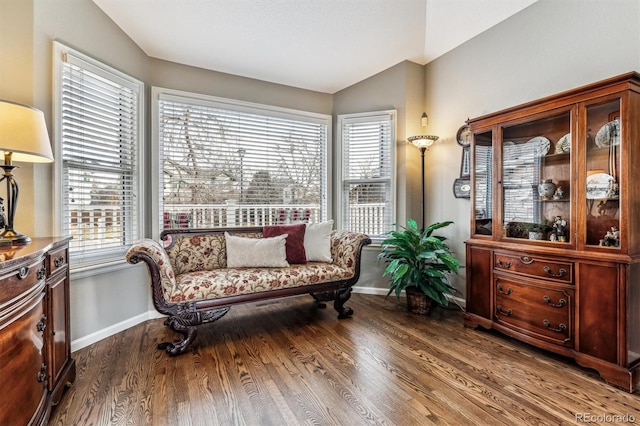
177,347
186,325
339,298
322,297
339,301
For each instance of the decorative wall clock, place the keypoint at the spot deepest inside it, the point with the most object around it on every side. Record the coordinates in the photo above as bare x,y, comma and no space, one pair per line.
463,137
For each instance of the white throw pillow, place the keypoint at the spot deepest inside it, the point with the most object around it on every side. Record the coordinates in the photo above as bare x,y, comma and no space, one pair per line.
256,252
317,241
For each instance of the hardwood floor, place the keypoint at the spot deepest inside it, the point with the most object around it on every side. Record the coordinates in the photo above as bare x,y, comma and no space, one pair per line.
287,363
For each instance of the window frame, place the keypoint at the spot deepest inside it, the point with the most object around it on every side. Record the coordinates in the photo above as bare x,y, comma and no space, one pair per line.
235,105
343,119
98,257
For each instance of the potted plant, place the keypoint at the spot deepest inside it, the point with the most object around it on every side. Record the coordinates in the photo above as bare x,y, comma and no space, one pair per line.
419,263
536,230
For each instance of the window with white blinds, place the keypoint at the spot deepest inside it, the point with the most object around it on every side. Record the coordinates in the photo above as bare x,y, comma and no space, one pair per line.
520,167
367,172
224,163
99,112
483,179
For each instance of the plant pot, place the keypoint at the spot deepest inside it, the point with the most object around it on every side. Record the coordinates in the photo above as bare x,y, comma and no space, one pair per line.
536,235
417,301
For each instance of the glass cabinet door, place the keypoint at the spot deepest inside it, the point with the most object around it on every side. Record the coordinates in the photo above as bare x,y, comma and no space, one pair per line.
483,183
604,145
536,176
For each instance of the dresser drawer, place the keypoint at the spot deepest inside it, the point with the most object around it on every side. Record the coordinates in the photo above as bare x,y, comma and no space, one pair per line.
57,260
541,311
20,279
537,267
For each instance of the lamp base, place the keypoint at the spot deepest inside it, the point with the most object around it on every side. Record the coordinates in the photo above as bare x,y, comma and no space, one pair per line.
14,237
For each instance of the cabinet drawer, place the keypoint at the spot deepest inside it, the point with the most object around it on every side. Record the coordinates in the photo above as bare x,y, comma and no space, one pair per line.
19,280
540,311
57,260
538,267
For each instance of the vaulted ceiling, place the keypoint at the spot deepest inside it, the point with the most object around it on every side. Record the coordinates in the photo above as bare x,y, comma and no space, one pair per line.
320,45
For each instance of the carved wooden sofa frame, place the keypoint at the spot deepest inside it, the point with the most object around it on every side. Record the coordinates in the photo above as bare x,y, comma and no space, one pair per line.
186,312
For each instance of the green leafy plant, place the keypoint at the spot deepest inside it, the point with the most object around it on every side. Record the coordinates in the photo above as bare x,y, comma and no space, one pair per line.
421,259
543,226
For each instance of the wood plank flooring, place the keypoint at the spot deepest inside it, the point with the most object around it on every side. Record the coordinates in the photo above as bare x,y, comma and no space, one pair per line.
287,363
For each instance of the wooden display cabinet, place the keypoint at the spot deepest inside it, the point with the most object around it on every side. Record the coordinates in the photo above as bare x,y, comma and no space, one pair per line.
575,291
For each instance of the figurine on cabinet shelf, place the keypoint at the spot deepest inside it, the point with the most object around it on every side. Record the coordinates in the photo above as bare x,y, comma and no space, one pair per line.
559,194
612,238
559,228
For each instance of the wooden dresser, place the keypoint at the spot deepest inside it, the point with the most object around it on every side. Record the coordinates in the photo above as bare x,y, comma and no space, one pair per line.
554,253
35,352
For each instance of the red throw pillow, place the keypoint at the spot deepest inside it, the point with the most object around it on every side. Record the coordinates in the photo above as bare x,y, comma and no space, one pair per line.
295,240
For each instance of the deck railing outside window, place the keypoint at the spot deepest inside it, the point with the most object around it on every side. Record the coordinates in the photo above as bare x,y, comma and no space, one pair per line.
105,222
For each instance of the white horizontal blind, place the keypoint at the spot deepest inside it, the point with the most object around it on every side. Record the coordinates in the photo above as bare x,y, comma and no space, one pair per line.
520,178
226,165
483,180
100,135
368,172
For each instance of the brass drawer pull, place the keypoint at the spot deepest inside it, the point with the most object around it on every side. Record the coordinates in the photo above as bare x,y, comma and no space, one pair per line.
42,375
42,324
508,292
560,303
23,272
561,273
561,328
58,261
42,272
505,265
506,313
526,260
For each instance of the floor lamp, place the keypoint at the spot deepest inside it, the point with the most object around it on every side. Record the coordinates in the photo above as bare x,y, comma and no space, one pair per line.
24,138
423,143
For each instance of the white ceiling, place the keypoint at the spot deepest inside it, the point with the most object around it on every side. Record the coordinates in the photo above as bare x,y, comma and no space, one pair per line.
321,45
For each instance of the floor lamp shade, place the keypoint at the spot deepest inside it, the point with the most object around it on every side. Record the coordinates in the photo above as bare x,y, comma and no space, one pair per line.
23,138
422,142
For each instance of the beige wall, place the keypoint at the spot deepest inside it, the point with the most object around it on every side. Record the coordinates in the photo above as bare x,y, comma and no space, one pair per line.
181,77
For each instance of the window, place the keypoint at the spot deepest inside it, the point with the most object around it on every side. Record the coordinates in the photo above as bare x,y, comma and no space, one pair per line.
367,172
520,167
99,156
224,163
483,176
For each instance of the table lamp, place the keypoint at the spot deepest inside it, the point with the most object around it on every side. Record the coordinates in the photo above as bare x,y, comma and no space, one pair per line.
23,138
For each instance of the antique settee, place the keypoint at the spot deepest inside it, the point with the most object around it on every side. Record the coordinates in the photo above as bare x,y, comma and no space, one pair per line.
198,274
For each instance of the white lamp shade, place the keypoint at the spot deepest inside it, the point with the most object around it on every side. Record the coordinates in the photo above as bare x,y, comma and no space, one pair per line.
23,132
423,141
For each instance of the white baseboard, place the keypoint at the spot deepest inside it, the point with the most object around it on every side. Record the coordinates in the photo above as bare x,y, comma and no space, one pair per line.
89,339
370,290
383,292
85,341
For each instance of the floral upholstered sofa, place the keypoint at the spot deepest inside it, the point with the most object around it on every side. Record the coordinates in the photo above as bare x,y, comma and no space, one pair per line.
197,274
